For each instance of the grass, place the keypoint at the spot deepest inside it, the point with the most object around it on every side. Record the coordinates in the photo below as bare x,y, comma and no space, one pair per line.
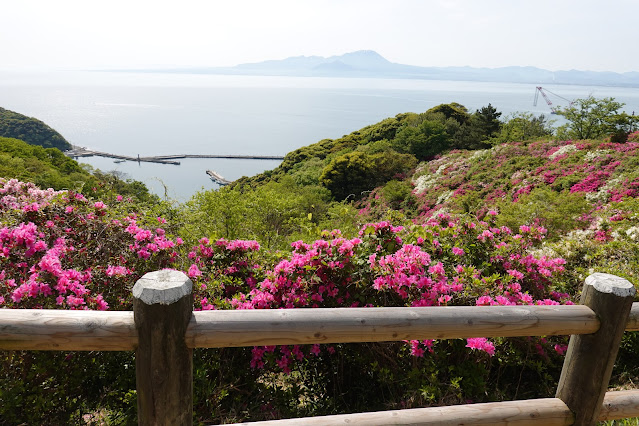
634,421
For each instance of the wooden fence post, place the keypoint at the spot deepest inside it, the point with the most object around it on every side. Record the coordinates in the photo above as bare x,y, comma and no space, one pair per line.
162,309
590,357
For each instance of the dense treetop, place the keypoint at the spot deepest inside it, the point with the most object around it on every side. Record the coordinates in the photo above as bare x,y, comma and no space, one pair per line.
30,130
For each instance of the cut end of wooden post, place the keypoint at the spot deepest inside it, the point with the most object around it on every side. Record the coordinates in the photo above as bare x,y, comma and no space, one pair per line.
607,283
162,287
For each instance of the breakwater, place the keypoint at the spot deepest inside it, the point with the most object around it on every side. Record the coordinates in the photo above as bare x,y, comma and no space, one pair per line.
228,156
164,159
217,178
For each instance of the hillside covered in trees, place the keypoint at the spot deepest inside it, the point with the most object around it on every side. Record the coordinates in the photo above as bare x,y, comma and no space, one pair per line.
446,207
30,130
372,155
50,168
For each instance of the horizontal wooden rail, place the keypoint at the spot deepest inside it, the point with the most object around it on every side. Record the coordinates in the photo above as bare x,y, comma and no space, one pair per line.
39,329
58,330
541,412
337,325
42,329
633,318
546,411
620,405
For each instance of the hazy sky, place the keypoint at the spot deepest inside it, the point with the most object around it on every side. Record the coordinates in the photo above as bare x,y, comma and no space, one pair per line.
553,34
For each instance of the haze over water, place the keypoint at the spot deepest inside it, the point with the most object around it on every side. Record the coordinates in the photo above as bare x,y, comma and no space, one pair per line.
154,114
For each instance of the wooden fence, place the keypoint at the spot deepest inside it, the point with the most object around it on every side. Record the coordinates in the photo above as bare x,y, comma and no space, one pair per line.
163,330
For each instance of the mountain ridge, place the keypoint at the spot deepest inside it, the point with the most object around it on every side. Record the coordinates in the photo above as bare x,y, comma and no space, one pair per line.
370,64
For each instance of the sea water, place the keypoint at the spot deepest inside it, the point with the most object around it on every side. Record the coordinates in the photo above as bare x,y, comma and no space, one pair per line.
150,114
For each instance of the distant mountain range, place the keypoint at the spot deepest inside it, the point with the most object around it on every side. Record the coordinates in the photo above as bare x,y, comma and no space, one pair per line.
368,63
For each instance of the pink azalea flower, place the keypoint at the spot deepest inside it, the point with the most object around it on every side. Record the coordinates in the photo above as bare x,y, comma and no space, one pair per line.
481,344
560,349
315,349
484,301
194,271
516,274
457,251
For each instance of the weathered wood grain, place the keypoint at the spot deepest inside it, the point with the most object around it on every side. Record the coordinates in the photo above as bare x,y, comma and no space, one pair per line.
633,318
335,325
40,329
47,329
620,405
546,412
162,306
590,357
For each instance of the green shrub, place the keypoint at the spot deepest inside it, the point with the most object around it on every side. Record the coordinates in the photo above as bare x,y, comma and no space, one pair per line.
558,212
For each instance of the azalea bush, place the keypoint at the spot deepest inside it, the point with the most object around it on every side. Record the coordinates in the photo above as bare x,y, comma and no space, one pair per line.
450,260
474,181
60,250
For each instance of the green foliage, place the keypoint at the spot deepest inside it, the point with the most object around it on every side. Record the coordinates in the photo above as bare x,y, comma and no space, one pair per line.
67,388
427,140
447,126
376,147
270,214
385,129
30,130
395,192
46,167
343,216
349,175
50,168
483,125
558,212
307,173
356,172
487,119
593,118
523,126
453,110
633,421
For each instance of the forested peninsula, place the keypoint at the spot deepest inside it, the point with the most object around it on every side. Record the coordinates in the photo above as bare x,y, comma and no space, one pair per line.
30,130
448,207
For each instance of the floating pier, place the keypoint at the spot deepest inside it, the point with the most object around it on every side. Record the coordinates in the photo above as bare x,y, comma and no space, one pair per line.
217,178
